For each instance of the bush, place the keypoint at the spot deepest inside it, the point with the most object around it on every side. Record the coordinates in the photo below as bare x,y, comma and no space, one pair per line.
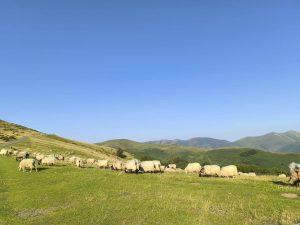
120,153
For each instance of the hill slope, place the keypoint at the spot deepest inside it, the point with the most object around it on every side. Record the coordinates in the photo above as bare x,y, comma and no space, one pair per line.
23,138
202,142
271,142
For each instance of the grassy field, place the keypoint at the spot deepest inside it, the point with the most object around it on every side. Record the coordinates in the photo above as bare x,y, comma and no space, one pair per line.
69,195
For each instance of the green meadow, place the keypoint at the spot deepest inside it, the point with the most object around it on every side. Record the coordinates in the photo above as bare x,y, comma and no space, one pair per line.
65,194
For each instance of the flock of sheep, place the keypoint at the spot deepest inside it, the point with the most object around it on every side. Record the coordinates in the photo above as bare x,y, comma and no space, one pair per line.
31,161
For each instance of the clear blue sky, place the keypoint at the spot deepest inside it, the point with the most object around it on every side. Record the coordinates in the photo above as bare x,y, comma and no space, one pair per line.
97,70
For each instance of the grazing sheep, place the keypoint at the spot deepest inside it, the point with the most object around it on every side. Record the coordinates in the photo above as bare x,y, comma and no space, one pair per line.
118,165
157,166
132,166
210,171
60,157
28,164
15,152
169,170
147,166
22,155
4,152
102,164
172,166
229,171
193,168
10,151
79,162
295,173
39,156
72,159
48,160
162,168
282,175
90,161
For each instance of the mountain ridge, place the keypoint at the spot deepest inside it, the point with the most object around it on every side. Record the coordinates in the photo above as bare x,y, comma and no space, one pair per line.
272,142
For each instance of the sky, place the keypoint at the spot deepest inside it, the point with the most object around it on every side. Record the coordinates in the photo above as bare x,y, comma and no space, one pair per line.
146,70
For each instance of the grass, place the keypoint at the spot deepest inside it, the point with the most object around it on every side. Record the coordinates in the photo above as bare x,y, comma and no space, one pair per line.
69,195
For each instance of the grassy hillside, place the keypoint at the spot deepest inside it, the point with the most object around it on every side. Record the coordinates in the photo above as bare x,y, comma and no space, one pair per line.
246,158
293,147
271,142
69,195
23,138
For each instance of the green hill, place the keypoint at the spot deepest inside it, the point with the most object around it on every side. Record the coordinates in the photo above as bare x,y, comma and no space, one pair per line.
247,159
293,147
271,142
23,138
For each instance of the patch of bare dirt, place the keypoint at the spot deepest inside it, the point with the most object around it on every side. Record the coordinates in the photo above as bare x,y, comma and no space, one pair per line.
289,195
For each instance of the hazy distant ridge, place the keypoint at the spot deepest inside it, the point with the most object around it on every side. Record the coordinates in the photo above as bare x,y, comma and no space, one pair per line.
275,142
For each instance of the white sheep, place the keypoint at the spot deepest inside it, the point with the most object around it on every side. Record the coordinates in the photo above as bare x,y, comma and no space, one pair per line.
157,166
79,162
229,171
147,166
172,166
102,164
210,170
90,161
132,166
118,165
295,173
48,160
28,164
193,168
4,152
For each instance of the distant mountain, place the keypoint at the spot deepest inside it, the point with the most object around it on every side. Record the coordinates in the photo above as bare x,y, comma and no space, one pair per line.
276,142
201,142
272,142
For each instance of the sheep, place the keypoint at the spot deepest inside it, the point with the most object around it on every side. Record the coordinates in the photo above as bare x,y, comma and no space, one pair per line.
48,160
22,155
169,170
4,152
90,161
118,165
10,151
172,166
162,168
282,175
79,162
210,170
102,164
147,166
59,157
157,166
15,152
72,159
229,171
132,166
39,157
193,168
28,163
295,173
